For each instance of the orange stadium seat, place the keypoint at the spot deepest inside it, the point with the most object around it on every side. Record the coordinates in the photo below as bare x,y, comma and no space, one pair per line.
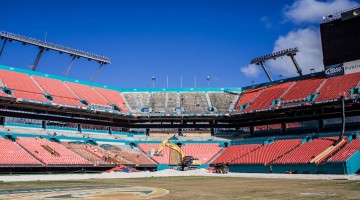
64,156
270,94
307,151
247,96
268,153
302,89
12,154
113,97
346,152
87,93
234,152
22,85
61,93
336,86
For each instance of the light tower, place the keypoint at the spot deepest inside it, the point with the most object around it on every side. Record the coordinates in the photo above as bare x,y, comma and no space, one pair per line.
153,78
291,52
208,80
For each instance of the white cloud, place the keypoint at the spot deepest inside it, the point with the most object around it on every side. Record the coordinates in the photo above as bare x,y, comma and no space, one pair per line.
312,11
309,56
250,70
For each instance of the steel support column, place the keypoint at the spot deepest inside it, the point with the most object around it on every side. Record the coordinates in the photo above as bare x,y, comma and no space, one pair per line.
265,70
298,69
68,69
38,58
97,72
3,46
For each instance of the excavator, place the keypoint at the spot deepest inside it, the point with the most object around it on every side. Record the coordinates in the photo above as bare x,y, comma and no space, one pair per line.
184,161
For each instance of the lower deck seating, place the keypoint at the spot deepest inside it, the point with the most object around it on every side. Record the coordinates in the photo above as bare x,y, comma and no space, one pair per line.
203,152
133,156
12,154
50,153
84,151
268,153
307,151
161,159
346,152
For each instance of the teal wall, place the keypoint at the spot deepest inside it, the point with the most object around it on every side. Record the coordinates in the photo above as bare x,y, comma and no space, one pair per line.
353,163
328,168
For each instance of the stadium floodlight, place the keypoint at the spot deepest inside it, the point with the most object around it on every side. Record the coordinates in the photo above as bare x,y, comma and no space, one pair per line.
291,52
208,80
43,45
153,78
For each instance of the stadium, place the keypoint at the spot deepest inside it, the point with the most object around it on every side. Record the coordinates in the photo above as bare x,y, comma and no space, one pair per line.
295,129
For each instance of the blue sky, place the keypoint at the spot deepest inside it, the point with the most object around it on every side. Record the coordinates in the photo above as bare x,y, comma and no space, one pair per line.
171,38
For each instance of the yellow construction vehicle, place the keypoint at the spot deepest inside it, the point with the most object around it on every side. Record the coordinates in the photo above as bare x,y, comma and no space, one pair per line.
183,161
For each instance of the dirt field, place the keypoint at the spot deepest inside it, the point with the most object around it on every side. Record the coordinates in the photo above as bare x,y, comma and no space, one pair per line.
207,188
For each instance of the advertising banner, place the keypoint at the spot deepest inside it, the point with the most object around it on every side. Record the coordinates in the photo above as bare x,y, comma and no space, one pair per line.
352,67
334,70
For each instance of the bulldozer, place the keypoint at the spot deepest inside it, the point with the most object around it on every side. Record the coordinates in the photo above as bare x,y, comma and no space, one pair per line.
177,155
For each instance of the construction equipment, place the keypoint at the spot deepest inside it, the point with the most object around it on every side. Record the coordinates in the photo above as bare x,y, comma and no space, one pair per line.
221,168
183,161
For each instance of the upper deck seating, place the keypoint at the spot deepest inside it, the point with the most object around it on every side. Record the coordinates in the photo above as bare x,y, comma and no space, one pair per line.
336,86
85,92
194,102
346,152
22,86
56,88
302,89
222,101
163,102
247,96
264,100
137,100
113,97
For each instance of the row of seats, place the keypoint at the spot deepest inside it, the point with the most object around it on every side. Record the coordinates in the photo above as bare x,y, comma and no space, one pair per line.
346,152
133,156
336,86
234,152
290,152
50,153
307,151
325,89
203,152
39,151
12,154
268,153
28,87
86,152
